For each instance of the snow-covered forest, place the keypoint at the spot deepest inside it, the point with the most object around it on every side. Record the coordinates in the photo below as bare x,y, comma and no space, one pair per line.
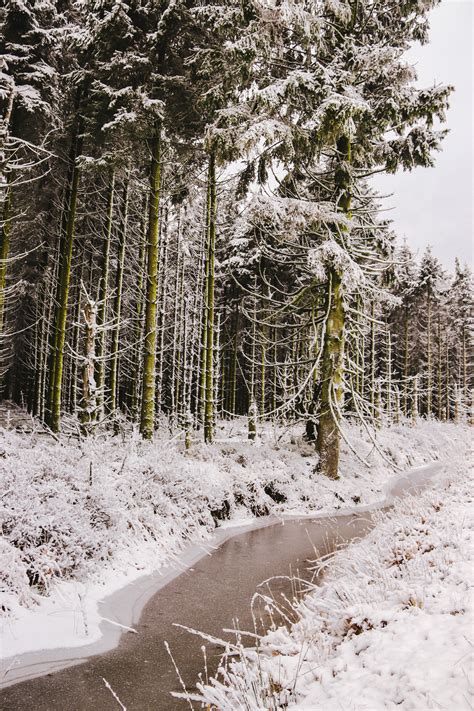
198,277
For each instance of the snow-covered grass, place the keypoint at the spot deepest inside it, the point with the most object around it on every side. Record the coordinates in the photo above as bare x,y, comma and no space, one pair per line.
82,519
390,627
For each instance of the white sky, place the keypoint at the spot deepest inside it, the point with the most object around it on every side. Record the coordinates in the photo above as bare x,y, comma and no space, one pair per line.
435,205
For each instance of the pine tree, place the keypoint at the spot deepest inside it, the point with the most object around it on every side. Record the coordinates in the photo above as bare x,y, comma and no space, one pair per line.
430,284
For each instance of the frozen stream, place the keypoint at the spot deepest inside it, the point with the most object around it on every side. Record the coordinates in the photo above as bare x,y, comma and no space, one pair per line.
209,596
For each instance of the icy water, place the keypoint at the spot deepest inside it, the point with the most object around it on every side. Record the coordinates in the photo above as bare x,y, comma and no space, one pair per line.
215,594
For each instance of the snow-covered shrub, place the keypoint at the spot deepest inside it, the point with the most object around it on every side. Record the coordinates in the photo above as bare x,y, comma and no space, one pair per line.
75,510
391,625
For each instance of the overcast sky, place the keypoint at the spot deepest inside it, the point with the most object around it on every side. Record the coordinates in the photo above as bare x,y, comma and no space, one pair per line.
435,205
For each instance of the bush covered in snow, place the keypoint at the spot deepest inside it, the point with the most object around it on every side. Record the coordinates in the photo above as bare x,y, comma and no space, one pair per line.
390,627
72,510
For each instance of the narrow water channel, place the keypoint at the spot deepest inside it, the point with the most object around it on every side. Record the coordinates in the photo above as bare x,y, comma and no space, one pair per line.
214,594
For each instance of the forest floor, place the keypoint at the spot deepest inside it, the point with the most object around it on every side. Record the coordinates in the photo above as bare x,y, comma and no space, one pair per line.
81,519
391,626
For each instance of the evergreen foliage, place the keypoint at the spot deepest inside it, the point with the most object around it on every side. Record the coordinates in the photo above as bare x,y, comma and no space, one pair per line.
189,229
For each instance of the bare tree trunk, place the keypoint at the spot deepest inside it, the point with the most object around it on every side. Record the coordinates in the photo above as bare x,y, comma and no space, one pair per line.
235,356
389,376
147,419
117,310
414,402
103,297
165,248
4,249
138,328
429,379
372,361
405,362
448,377
209,351
89,389
75,342
440,372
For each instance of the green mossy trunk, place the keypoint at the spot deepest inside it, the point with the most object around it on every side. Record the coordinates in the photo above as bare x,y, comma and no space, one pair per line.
147,415
64,280
327,442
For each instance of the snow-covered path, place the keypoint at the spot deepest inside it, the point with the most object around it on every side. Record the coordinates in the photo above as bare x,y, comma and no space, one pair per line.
211,595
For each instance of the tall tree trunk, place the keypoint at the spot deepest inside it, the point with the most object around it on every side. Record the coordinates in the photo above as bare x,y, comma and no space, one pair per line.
253,354
373,384
89,389
117,310
103,298
4,249
275,372
327,443
76,339
162,315
389,408
175,359
136,375
405,363
64,279
235,357
44,299
5,204
414,401
429,379
465,383
147,418
179,398
204,311
199,324
209,347
262,376
448,379
440,370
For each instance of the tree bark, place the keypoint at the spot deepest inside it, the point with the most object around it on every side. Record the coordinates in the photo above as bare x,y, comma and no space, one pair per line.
5,249
209,346
327,443
429,384
64,279
103,298
117,310
147,417
89,389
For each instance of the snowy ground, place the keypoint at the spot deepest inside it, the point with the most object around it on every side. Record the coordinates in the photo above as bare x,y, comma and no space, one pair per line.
391,627
80,521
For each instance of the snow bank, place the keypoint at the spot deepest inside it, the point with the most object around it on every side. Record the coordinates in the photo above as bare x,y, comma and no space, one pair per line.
80,520
391,626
